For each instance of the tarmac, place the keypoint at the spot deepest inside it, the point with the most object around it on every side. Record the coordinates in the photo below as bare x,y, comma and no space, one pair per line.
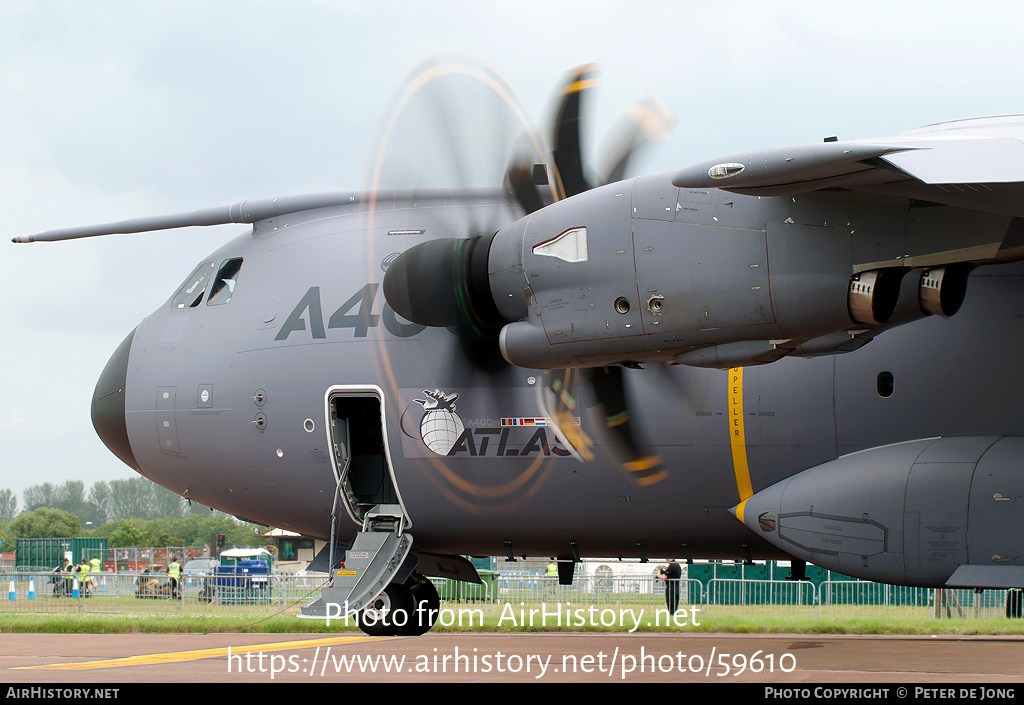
851,661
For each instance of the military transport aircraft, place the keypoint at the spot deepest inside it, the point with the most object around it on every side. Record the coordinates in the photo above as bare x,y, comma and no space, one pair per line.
753,357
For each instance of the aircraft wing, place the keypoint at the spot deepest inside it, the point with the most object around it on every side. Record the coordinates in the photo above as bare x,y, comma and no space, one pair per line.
976,164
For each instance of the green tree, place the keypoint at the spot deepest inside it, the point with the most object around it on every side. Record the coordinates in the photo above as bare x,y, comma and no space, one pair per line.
45,523
121,499
136,498
7,537
70,497
196,529
191,530
165,503
99,495
8,504
127,534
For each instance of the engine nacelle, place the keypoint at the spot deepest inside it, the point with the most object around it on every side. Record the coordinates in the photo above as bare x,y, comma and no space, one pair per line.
935,512
633,272
611,275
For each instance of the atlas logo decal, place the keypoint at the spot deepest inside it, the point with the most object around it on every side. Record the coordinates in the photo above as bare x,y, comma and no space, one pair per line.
440,428
444,433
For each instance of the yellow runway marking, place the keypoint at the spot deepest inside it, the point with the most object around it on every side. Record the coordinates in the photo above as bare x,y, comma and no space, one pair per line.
198,654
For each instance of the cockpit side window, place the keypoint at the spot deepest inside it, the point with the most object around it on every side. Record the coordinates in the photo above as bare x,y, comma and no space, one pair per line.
224,285
191,292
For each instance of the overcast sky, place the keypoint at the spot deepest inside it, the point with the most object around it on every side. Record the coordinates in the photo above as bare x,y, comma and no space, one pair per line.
111,110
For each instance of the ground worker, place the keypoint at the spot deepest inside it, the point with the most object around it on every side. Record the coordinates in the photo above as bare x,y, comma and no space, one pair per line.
174,572
62,581
83,577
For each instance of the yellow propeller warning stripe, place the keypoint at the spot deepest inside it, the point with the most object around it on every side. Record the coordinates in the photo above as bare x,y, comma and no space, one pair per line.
738,439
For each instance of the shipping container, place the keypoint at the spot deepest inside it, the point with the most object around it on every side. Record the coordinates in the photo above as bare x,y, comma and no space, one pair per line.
47,554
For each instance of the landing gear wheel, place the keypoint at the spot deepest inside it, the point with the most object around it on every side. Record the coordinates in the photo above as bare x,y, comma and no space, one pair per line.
424,607
388,614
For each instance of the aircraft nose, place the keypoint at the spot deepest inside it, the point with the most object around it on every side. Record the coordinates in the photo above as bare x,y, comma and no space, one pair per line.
108,404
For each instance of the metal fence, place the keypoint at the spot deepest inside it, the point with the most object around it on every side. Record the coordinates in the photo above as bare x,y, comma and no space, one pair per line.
140,592
42,554
136,593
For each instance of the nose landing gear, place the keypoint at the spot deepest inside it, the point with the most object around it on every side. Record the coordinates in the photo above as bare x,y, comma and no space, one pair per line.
407,609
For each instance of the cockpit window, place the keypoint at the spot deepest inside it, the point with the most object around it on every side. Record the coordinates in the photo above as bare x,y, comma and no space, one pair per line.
191,292
224,285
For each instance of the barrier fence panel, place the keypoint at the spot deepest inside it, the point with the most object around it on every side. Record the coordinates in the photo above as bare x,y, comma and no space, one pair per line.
858,598
967,604
625,591
151,593
759,598
132,592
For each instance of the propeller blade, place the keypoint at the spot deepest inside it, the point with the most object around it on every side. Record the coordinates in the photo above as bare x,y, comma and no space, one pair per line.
452,121
607,383
565,139
558,400
647,121
525,173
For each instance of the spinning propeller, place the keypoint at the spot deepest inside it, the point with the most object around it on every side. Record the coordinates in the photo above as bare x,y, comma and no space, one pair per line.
446,282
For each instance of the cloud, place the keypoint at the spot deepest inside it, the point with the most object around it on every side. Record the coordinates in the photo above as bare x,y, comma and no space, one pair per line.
9,420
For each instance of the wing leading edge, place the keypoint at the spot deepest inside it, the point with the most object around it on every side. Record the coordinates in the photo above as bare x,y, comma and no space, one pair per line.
976,164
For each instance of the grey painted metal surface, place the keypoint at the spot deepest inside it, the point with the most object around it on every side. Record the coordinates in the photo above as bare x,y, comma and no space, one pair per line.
825,251
276,335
